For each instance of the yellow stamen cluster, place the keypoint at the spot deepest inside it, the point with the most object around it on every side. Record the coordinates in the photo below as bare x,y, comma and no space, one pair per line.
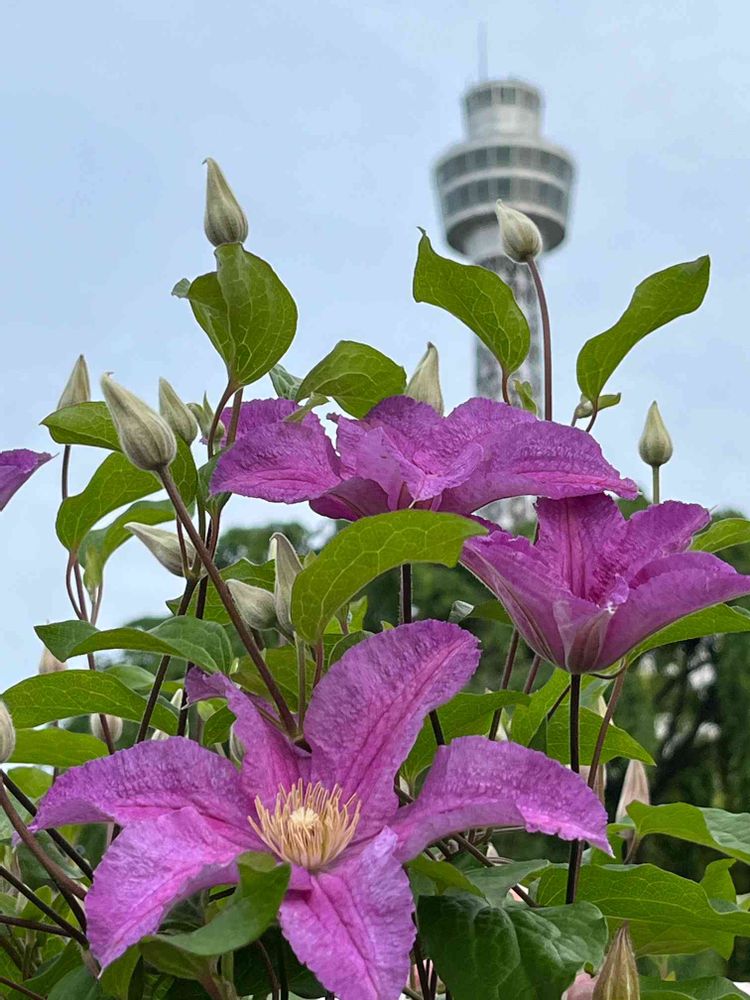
308,826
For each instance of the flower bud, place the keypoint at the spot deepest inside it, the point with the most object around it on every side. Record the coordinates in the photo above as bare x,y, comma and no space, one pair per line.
114,725
77,388
204,414
581,989
236,748
49,663
288,567
522,240
424,384
655,446
7,734
176,413
600,783
584,409
224,221
256,605
164,546
618,976
145,437
175,700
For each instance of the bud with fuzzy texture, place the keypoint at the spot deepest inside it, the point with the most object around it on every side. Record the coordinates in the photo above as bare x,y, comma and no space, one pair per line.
634,789
7,734
77,388
288,567
224,221
176,413
424,384
164,546
522,240
114,724
175,700
655,446
204,414
618,977
256,605
49,663
145,437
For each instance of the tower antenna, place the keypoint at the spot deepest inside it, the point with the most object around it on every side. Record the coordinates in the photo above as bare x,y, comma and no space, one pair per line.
482,50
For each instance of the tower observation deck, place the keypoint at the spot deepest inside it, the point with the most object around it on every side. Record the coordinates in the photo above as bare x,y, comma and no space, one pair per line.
504,156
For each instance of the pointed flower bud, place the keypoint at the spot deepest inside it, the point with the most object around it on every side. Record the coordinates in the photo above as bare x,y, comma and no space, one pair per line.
175,700
522,240
600,783
584,409
655,446
176,413
49,663
288,567
144,436
224,221
424,384
618,977
114,725
77,388
7,734
204,414
164,546
634,789
256,605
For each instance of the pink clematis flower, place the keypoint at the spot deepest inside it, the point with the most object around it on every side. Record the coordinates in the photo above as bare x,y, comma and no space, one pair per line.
331,813
15,468
404,454
595,584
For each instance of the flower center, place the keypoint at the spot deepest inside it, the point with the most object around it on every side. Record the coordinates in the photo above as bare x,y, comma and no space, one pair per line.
308,825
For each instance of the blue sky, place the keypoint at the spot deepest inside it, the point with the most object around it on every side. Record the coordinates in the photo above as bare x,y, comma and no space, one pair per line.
327,118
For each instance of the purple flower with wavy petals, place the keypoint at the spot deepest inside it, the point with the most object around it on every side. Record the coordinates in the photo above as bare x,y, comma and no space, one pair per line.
330,812
15,468
404,454
595,584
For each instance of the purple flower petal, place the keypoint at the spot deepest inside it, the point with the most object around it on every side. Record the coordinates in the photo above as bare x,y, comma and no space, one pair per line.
270,760
15,468
367,711
144,782
276,460
354,927
150,867
352,499
475,783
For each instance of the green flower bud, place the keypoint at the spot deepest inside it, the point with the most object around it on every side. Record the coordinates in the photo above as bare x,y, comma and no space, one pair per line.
618,977
522,240
164,546
256,605
288,567
176,413
145,437
655,446
424,384
114,725
77,388
7,734
584,409
204,414
49,663
224,221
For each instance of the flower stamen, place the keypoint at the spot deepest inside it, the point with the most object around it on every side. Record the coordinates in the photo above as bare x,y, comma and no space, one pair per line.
308,825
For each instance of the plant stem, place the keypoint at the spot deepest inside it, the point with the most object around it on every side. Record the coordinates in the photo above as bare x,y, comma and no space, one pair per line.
575,766
283,979
533,671
546,337
217,417
507,672
301,679
609,712
20,988
41,905
405,617
424,982
656,484
34,925
200,607
228,602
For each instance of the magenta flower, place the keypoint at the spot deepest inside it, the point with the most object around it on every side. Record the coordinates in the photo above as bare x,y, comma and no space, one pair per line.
331,813
404,454
595,585
15,468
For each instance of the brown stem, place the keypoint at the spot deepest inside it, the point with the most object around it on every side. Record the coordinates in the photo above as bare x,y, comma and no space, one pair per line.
575,766
228,602
533,671
424,982
319,657
236,410
508,670
35,925
20,988
546,337
271,972
602,735
217,417
41,905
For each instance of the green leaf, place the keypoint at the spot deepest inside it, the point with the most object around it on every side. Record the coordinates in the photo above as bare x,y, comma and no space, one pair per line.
86,423
717,880
244,571
99,545
723,831
367,548
525,393
284,383
115,979
159,951
528,718
201,642
68,960
489,611
667,914
711,621
56,747
657,300
723,534
217,727
77,985
50,697
510,953
463,715
356,375
495,883
617,743
711,988
442,874
479,298
247,312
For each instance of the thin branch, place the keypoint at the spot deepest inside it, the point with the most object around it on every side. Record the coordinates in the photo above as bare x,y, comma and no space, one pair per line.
575,766
34,925
21,988
41,905
546,337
